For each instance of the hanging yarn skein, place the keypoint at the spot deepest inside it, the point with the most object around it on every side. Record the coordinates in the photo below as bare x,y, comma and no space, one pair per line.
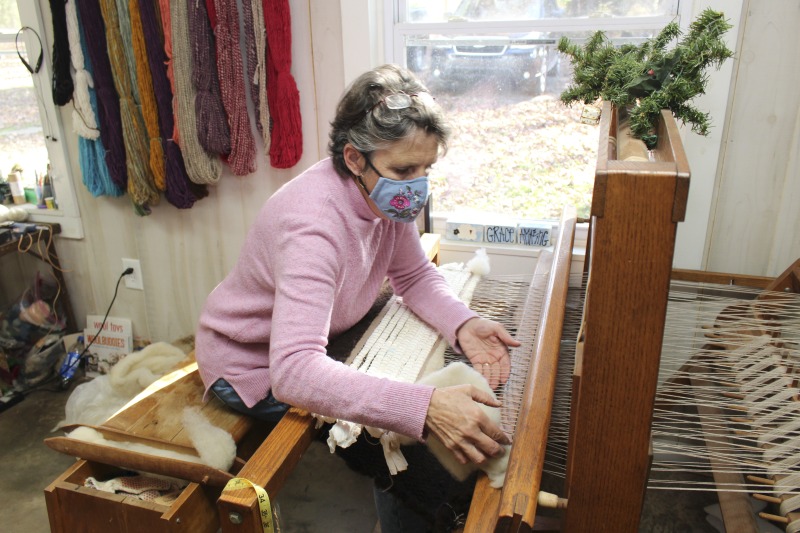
212,122
242,159
258,74
108,109
201,166
125,32
84,121
147,99
166,27
181,192
141,188
284,99
62,78
91,152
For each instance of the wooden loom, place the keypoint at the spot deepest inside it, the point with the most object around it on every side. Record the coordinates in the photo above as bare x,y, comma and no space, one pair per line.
635,211
626,258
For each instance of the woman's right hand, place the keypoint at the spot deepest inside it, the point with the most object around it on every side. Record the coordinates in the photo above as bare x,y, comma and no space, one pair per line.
462,426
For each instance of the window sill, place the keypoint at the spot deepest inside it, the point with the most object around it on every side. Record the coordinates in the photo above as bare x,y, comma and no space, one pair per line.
71,227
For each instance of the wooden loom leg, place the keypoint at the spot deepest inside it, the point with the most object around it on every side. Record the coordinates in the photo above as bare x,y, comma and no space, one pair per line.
269,467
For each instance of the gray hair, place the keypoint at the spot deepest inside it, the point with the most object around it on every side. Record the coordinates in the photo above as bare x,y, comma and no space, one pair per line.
368,126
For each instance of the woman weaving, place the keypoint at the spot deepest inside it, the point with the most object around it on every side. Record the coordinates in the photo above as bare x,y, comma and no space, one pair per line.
312,265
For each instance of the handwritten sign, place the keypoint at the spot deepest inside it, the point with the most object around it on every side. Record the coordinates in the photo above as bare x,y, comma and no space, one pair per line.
534,234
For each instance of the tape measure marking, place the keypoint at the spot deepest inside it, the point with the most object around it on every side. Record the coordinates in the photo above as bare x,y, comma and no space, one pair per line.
264,507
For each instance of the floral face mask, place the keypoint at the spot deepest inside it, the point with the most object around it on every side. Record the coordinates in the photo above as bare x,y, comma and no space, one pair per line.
401,201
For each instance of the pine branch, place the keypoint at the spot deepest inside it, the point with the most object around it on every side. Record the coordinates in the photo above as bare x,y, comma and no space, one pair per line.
651,75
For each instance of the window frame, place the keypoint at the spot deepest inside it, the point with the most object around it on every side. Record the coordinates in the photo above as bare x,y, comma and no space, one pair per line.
67,216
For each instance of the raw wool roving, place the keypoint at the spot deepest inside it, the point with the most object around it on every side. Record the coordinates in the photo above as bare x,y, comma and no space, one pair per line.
460,374
215,446
14,213
139,369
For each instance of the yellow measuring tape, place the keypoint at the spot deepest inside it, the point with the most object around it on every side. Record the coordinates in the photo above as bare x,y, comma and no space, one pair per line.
264,507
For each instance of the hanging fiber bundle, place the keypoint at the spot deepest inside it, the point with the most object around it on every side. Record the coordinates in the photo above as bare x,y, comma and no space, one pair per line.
91,152
62,79
284,99
108,111
125,32
242,158
84,121
141,187
212,122
146,97
257,65
201,166
180,191
166,28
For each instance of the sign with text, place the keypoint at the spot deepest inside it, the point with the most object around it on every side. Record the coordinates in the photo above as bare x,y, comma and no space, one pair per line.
109,344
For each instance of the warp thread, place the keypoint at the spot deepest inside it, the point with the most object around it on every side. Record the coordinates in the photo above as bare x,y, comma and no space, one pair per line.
140,180
282,94
259,76
146,97
201,166
108,109
234,95
91,152
181,192
62,78
212,122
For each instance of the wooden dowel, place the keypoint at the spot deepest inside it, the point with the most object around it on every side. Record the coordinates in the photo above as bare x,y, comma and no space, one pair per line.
765,498
774,518
762,480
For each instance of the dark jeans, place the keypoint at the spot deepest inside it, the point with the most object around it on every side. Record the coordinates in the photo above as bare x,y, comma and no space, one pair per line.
398,512
269,409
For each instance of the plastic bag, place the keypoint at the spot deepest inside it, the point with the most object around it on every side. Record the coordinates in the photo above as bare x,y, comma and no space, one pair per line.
30,320
40,362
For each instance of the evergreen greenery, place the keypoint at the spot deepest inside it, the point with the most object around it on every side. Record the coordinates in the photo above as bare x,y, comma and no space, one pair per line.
650,77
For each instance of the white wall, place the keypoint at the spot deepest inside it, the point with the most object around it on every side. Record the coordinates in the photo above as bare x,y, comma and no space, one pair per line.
185,253
746,219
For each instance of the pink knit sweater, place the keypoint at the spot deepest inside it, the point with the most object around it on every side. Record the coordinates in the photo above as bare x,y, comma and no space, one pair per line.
311,267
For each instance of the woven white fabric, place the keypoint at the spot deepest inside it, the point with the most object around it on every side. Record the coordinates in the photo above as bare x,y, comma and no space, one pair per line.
399,348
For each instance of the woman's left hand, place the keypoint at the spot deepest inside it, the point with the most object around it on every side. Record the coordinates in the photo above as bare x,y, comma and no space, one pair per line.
485,343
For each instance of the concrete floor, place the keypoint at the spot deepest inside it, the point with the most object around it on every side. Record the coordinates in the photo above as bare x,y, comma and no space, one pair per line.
322,494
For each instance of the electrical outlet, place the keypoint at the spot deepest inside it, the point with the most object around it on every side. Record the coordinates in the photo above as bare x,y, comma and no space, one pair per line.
133,281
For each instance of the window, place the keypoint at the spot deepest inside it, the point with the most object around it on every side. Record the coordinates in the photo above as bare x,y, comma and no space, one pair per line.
31,133
493,65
